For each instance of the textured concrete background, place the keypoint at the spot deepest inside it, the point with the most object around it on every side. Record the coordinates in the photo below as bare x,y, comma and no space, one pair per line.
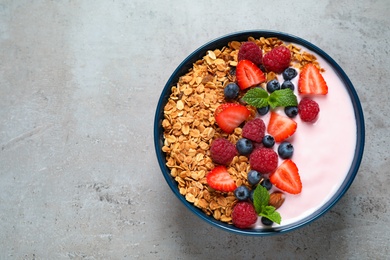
79,83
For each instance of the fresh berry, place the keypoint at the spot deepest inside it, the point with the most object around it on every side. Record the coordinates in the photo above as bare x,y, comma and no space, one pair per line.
250,51
311,81
263,110
281,127
263,160
266,183
222,151
268,141
244,214
286,177
242,193
254,130
308,110
273,85
230,115
266,221
253,177
291,112
287,84
220,179
278,59
231,91
248,74
289,73
244,146
285,150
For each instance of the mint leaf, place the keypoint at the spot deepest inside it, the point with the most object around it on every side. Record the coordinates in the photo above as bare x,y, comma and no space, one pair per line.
271,213
282,98
260,202
260,198
256,97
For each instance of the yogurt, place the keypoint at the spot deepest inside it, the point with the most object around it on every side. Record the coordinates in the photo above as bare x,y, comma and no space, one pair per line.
323,151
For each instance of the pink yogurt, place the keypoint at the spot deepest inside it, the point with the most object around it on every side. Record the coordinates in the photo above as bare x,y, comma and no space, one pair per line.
323,151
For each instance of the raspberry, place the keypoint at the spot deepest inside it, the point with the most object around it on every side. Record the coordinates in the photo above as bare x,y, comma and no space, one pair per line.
263,160
250,51
244,215
254,130
222,151
278,59
308,110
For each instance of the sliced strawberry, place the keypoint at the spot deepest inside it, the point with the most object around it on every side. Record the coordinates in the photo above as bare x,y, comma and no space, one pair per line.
281,127
248,74
219,179
230,115
311,81
286,177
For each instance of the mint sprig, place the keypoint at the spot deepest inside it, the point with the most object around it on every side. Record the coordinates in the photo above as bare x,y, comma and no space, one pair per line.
258,97
260,202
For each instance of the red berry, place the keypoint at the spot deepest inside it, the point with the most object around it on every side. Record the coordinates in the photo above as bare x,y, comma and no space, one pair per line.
308,110
254,130
281,127
230,115
286,177
244,215
263,160
248,74
311,81
222,151
250,51
219,179
278,59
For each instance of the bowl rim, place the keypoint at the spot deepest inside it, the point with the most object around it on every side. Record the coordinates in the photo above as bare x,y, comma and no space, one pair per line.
243,36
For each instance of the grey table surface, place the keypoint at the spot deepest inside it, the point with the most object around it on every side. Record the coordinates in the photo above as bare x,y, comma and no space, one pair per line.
79,84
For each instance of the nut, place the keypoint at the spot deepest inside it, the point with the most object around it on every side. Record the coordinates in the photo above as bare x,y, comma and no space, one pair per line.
276,199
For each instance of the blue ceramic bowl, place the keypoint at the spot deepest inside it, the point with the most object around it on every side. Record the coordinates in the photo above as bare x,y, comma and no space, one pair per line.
218,44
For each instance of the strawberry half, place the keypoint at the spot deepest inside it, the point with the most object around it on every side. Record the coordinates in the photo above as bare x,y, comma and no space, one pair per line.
219,179
286,177
248,74
230,115
311,81
281,127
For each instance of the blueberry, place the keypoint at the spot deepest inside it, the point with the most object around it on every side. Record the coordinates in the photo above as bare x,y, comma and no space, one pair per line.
285,150
268,141
242,193
289,74
291,111
266,183
266,221
231,91
273,85
263,110
244,146
288,84
253,177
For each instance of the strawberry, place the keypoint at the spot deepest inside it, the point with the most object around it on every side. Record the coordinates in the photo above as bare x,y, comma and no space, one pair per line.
286,177
219,179
230,115
311,81
281,127
248,74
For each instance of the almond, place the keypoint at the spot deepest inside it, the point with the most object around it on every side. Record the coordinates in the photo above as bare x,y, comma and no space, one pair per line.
276,199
